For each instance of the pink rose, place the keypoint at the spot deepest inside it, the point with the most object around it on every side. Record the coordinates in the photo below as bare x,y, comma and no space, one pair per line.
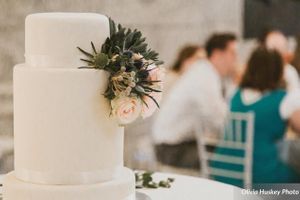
126,109
147,111
156,73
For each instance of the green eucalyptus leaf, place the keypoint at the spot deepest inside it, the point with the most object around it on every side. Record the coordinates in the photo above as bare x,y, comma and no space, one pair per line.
159,62
145,180
165,184
139,89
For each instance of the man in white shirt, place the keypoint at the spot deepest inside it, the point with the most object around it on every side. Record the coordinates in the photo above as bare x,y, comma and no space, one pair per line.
195,104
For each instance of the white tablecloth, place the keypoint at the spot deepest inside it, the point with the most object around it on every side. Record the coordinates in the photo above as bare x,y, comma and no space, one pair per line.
191,188
187,188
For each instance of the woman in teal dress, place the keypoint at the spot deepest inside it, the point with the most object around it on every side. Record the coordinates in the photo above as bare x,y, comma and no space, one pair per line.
262,92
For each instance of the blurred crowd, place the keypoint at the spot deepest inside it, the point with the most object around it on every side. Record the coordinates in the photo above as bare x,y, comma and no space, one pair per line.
205,83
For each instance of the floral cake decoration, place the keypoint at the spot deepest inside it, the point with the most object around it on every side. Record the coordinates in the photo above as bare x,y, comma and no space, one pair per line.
135,73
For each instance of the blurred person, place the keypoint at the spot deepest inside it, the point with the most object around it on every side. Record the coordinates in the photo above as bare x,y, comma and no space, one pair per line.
187,56
296,57
275,39
135,154
195,103
262,92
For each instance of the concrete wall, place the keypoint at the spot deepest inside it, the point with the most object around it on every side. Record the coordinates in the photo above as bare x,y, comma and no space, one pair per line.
167,24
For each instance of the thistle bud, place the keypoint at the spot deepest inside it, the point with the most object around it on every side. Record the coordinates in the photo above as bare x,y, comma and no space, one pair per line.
128,53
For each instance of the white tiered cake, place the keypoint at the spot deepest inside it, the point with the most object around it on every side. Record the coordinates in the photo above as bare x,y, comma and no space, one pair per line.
66,145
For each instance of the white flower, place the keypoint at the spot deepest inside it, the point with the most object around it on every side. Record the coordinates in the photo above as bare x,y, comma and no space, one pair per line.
115,57
126,109
123,69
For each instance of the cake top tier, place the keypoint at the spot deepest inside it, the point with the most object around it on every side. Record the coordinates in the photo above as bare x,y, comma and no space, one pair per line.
51,38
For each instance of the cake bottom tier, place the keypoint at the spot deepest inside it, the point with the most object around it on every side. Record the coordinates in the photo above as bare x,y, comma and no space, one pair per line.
121,188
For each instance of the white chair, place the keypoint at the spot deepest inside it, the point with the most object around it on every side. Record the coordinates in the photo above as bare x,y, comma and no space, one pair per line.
238,135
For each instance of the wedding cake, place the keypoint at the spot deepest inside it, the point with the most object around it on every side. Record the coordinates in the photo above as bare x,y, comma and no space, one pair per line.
67,147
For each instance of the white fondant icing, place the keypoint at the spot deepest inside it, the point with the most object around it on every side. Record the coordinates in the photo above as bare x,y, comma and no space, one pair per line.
62,126
120,188
66,145
51,38
67,177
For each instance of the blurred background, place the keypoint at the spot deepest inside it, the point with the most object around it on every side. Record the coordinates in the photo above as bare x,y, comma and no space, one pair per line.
168,25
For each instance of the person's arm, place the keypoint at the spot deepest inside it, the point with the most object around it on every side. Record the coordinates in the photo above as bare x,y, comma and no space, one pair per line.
292,78
290,110
295,121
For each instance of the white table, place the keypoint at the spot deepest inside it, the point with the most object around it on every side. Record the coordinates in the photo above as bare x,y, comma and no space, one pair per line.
188,188
191,188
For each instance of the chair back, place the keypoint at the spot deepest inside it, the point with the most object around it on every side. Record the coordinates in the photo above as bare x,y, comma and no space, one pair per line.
237,136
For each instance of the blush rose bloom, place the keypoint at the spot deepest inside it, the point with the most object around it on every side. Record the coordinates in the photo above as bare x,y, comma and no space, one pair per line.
156,73
147,111
126,109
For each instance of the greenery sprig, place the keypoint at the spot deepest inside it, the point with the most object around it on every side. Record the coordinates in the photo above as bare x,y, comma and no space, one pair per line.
145,180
